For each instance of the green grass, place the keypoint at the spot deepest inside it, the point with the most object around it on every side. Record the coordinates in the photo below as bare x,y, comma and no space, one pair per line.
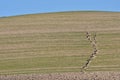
56,42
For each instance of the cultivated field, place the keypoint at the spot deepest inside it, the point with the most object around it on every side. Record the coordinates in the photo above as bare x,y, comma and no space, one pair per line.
56,42
65,76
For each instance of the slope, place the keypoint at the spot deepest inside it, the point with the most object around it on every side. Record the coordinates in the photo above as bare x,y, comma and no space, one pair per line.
56,42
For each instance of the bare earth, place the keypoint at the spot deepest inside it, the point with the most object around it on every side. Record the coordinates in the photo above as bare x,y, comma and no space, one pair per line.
65,76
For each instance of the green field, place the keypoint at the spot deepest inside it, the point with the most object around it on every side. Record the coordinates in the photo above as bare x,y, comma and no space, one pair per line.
56,42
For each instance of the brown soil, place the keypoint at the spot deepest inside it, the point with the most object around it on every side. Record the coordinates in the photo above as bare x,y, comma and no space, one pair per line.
65,76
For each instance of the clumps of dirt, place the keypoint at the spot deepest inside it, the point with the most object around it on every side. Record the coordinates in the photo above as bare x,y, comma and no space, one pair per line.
65,76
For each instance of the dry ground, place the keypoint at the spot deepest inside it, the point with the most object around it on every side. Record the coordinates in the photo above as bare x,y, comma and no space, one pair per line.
56,42
65,76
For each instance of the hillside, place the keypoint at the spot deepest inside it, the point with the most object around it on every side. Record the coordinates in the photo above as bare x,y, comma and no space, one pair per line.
56,42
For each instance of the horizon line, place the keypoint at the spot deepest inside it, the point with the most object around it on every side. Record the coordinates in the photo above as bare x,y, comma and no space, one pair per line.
50,12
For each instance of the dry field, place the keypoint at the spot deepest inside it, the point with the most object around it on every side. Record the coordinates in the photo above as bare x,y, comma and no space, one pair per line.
65,76
56,42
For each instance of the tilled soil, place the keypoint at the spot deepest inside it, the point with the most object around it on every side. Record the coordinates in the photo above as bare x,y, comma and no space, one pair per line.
65,76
